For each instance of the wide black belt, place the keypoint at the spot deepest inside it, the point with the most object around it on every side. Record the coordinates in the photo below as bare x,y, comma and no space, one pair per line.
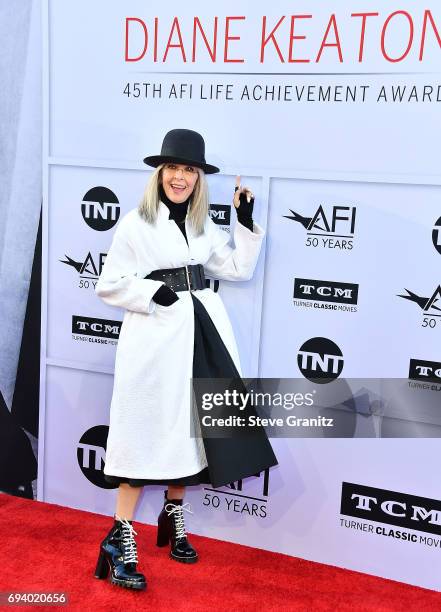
187,278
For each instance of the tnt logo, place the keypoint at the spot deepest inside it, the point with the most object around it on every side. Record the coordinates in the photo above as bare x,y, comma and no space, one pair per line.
100,209
436,235
91,455
320,360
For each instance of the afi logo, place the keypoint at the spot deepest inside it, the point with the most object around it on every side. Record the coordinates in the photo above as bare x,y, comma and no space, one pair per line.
237,486
87,268
341,221
100,209
429,305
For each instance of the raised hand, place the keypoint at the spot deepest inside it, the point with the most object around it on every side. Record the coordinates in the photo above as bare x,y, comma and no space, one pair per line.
239,190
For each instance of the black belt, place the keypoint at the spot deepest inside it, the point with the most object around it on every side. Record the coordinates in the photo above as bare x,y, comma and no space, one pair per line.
187,278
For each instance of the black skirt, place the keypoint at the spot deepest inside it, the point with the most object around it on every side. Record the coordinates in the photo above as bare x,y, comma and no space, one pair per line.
228,459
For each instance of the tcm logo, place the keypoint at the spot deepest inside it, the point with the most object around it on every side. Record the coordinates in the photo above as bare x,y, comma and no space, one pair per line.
88,269
332,229
436,235
91,455
102,328
100,209
325,291
320,360
390,507
220,213
426,371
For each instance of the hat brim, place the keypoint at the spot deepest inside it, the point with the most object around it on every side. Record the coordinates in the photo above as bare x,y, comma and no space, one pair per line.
156,160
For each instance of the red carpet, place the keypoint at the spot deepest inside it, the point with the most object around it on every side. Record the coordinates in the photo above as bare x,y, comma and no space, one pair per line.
46,547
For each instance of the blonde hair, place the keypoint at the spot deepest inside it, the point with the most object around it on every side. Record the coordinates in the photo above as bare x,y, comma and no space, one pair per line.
198,207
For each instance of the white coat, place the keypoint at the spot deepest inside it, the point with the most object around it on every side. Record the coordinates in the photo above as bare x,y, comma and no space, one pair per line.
149,429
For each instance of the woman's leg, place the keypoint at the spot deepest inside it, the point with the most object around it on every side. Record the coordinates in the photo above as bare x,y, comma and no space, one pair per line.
175,492
121,567
126,501
171,527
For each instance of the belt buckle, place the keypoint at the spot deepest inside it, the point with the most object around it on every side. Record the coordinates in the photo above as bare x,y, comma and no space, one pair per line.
188,278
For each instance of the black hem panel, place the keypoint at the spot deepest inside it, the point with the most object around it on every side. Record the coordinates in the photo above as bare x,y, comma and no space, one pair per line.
202,477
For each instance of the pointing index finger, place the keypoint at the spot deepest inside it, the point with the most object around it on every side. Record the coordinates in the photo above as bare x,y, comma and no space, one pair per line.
238,181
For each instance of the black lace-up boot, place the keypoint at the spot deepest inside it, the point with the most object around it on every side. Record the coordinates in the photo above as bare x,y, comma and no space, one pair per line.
171,529
118,554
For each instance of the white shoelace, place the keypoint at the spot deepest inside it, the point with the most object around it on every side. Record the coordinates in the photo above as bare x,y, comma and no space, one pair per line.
128,539
179,518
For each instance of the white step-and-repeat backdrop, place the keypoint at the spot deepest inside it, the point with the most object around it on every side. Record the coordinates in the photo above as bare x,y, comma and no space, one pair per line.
332,116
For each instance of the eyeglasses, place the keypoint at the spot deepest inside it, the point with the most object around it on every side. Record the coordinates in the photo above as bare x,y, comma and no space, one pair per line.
186,169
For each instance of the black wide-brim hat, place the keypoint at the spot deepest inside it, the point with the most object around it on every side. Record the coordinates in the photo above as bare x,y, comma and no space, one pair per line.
182,147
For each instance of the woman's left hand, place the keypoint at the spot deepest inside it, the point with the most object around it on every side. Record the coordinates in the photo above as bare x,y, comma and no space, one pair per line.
244,202
239,190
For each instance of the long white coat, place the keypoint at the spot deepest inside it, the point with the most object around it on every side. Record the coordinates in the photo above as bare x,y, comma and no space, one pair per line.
149,430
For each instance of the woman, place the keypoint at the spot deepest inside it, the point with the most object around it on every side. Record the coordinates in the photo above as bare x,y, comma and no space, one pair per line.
175,328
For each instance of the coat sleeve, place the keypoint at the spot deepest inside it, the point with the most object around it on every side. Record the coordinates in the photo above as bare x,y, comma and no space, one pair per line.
233,262
119,283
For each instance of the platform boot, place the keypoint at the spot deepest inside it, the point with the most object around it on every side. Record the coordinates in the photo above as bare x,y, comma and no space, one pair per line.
118,557
171,529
